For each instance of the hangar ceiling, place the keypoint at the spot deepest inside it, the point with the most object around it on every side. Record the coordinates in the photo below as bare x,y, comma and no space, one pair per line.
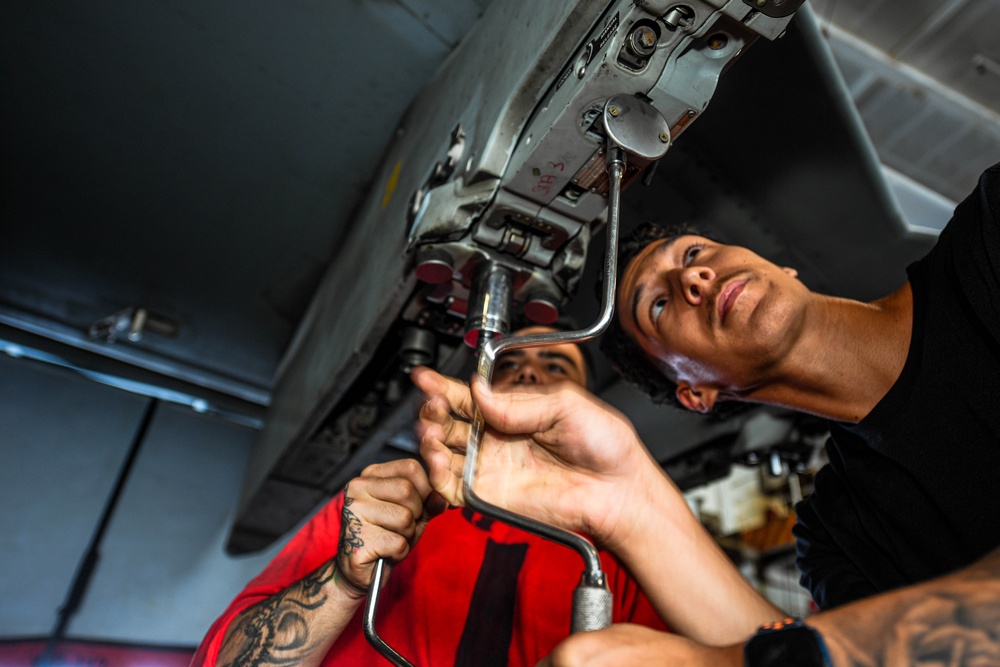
202,165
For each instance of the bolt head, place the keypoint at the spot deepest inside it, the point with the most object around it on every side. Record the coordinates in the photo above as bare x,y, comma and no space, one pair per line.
717,42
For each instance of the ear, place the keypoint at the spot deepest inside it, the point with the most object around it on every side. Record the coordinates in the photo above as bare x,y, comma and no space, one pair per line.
790,271
697,399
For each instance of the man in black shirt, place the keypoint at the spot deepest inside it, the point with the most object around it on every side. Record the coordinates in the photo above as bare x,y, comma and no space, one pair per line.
911,380
911,383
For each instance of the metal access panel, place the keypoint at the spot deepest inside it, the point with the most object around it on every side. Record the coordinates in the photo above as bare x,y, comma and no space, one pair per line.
499,159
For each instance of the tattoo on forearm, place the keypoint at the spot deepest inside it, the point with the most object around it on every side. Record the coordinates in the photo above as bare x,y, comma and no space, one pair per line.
955,624
350,528
276,631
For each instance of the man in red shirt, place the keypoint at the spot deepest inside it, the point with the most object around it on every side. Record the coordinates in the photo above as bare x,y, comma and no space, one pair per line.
473,592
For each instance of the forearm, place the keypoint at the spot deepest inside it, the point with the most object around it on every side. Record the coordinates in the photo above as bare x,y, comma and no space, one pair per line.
954,620
294,627
691,582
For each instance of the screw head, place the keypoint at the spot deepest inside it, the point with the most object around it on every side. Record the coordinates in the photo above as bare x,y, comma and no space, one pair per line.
613,110
664,137
647,37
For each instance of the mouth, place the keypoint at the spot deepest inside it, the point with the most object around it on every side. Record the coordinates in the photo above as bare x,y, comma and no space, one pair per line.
727,297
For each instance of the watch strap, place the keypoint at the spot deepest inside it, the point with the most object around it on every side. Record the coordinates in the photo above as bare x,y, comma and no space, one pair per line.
786,642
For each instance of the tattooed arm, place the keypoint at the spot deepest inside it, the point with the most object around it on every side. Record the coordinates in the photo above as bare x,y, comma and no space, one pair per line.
295,627
953,621
385,512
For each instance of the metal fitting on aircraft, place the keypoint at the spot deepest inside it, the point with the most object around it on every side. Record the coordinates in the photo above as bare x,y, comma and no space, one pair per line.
489,304
542,307
434,266
418,347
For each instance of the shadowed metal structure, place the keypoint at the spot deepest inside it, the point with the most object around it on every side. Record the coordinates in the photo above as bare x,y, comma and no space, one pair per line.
179,178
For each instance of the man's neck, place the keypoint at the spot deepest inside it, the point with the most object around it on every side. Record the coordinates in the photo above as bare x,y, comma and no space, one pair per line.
847,358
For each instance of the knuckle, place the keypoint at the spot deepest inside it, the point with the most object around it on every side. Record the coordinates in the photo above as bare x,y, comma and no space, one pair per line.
370,470
359,488
355,561
398,489
561,655
572,651
399,542
411,467
391,545
398,545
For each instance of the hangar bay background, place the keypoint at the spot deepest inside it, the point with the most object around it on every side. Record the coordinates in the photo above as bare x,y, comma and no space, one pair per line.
203,164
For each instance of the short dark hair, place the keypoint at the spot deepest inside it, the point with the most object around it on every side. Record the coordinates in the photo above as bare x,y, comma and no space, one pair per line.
626,357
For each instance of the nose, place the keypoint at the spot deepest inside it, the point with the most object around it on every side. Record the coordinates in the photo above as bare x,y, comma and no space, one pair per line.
526,375
695,283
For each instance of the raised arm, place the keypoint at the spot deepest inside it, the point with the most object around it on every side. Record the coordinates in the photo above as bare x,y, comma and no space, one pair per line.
384,514
561,456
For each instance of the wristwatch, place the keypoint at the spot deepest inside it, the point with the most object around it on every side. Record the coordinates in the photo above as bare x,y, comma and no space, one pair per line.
786,643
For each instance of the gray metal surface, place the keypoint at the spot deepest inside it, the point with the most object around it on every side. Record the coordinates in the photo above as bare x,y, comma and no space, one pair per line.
188,158
162,576
316,374
940,39
638,125
435,192
925,78
592,608
919,127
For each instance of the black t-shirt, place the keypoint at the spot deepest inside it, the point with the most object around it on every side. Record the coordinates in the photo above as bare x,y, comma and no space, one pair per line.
913,490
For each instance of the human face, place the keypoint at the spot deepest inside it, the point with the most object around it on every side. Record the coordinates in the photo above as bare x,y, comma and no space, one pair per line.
708,313
546,364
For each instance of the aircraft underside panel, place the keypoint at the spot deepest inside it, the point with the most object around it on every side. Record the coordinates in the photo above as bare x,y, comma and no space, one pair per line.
500,159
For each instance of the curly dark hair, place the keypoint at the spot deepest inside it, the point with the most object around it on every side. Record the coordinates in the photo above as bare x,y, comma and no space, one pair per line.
626,357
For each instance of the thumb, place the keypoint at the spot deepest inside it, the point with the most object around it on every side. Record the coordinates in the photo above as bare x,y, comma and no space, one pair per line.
519,412
433,506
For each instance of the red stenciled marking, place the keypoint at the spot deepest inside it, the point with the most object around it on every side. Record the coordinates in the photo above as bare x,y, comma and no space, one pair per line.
545,181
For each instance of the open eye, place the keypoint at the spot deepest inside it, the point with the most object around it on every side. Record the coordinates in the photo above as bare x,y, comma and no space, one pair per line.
506,365
691,253
555,369
656,308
